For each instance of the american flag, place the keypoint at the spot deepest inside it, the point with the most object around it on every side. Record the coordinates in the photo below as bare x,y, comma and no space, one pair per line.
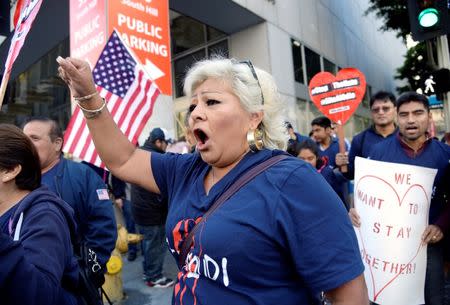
130,95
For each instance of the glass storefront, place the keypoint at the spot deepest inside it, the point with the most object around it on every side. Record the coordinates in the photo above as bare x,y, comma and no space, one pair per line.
39,91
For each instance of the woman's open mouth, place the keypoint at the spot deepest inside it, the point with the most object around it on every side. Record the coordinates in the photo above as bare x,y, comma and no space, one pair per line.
201,138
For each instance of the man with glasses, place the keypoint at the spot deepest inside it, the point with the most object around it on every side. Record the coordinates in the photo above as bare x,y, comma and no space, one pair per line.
383,111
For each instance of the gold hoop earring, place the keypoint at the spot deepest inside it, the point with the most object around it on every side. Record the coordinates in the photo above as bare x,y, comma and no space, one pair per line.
255,140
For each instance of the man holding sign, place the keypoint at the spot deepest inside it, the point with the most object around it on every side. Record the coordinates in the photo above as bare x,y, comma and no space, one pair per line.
412,146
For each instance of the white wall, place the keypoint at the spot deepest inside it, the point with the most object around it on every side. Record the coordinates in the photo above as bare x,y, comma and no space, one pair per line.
337,30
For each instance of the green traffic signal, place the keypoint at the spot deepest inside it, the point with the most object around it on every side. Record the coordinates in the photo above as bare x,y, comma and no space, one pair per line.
428,17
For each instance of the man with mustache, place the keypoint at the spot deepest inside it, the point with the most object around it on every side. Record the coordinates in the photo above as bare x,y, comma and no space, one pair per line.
412,145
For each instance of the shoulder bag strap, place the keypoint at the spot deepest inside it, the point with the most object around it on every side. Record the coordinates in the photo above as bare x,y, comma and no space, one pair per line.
243,180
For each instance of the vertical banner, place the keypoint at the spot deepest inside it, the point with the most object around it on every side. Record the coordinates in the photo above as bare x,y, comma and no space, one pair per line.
143,25
28,12
88,31
393,202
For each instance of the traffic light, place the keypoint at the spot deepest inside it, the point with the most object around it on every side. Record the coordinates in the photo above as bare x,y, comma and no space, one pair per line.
428,18
442,79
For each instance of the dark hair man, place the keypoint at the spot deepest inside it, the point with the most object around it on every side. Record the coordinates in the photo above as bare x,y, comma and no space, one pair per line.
322,134
150,212
382,109
77,185
413,146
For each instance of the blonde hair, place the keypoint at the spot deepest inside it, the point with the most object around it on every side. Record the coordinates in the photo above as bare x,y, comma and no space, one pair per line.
246,87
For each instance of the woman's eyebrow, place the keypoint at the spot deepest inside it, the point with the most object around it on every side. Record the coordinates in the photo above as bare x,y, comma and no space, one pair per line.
206,92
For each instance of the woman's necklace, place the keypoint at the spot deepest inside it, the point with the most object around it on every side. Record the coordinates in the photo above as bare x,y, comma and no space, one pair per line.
213,178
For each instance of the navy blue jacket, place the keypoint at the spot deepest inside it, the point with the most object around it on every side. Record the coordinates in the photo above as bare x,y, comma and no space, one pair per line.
299,138
334,178
33,267
147,208
433,154
82,189
361,146
116,186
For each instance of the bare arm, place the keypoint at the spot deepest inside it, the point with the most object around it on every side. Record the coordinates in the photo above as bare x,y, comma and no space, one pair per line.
116,151
351,293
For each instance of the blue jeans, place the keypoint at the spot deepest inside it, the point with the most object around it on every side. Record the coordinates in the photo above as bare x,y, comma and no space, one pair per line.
153,249
434,280
129,223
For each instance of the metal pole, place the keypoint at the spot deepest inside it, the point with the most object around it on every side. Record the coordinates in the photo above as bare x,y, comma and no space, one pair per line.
444,62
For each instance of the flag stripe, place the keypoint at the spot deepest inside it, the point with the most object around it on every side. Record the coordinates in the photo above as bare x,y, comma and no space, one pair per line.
143,112
133,92
141,101
147,115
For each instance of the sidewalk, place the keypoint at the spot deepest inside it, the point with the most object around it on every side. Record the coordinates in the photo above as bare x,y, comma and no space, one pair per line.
135,290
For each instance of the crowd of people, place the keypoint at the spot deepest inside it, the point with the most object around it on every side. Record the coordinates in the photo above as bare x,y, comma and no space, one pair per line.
283,233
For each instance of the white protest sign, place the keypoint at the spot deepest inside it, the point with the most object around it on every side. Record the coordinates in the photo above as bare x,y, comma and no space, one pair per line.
393,202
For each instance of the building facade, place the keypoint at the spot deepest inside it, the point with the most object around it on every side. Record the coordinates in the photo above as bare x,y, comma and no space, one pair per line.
291,39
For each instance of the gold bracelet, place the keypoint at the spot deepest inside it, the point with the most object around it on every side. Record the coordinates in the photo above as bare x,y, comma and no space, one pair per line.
85,98
92,113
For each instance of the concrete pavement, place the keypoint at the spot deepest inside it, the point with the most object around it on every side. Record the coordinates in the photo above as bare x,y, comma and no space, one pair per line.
135,290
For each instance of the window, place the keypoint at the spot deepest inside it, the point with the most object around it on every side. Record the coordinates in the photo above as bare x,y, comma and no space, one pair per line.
367,95
328,66
312,60
192,41
298,63
186,33
214,34
220,48
39,91
182,65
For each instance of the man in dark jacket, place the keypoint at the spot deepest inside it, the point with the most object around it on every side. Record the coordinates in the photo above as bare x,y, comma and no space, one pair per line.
77,185
412,145
149,212
120,192
382,108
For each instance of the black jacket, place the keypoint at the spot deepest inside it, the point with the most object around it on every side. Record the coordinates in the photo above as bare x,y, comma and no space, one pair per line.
148,209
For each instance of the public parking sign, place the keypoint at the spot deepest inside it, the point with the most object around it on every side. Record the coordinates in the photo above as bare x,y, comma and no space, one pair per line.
142,24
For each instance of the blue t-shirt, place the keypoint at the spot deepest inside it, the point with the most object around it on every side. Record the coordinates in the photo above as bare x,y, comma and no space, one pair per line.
281,236
331,151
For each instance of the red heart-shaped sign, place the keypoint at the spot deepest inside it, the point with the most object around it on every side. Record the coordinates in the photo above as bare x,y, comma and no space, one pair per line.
337,97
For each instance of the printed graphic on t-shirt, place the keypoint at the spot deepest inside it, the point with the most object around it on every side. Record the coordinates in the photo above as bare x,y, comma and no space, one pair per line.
195,265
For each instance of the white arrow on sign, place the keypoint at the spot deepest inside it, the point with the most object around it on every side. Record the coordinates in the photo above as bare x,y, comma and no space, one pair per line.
153,71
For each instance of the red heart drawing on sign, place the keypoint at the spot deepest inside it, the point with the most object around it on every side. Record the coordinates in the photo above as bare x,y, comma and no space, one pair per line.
412,256
337,97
